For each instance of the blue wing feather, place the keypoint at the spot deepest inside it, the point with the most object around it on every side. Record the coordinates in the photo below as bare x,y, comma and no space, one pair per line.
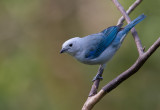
108,36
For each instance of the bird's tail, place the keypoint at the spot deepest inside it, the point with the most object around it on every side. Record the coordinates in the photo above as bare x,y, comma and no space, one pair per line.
127,28
121,35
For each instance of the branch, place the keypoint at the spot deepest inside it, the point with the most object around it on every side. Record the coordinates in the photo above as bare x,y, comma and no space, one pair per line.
143,56
91,101
133,69
95,85
130,9
133,30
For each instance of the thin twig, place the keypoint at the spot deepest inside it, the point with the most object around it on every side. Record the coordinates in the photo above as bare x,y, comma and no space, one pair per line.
133,30
130,9
95,85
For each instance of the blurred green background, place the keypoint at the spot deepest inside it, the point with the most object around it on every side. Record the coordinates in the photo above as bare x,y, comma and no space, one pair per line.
34,76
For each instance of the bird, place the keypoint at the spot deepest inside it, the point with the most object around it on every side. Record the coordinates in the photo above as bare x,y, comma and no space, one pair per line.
99,48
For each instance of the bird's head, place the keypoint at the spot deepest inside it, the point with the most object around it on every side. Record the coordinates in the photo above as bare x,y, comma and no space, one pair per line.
71,46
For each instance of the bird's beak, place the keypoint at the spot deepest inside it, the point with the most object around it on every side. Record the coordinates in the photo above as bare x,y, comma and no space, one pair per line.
63,50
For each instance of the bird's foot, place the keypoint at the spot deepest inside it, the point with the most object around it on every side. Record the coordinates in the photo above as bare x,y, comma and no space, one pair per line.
98,76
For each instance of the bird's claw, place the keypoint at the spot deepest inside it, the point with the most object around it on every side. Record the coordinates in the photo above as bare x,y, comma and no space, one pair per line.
97,77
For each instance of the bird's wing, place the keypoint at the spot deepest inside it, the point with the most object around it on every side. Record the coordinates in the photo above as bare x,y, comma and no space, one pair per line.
106,38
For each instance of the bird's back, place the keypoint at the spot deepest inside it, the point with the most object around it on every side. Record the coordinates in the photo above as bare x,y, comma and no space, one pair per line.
97,43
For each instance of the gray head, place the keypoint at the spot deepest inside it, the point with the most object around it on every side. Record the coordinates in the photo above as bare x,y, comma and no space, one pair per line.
71,46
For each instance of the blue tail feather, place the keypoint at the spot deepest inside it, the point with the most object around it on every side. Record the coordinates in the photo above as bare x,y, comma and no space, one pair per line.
121,34
133,23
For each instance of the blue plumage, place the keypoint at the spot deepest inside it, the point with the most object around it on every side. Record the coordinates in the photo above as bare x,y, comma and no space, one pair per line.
108,35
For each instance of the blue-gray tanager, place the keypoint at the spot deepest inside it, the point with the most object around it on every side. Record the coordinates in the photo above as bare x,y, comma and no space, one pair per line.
99,48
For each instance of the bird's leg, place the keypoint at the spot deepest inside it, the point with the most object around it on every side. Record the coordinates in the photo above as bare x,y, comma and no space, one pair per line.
99,73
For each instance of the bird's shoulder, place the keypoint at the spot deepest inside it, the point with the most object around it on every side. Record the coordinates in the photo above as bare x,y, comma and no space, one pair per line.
91,42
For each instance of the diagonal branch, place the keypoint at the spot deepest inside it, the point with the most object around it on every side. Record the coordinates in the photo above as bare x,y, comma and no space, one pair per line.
130,9
133,30
95,85
91,101
133,69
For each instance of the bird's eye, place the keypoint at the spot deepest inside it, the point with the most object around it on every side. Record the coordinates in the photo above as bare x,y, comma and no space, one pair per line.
70,45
